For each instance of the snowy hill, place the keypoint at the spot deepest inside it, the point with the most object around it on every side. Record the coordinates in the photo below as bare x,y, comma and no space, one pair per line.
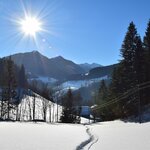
42,107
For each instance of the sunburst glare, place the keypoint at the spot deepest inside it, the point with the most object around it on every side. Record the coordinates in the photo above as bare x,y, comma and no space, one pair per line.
31,26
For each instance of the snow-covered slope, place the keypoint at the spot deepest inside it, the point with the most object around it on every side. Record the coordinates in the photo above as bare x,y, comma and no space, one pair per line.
44,79
25,109
74,85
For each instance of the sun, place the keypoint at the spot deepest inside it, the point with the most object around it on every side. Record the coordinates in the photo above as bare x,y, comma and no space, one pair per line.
30,26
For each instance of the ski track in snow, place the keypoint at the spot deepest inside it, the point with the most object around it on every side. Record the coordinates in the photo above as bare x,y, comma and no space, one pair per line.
90,141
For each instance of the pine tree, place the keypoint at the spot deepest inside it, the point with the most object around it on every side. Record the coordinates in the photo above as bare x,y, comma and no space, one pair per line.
102,93
22,78
128,51
116,89
105,112
69,111
129,73
11,84
3,85
147,59
139,61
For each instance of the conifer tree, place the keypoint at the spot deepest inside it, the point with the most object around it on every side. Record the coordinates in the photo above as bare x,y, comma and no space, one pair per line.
3,87
102,92
128,51
130,71
10,85
147,59
139,63
69,111
22,78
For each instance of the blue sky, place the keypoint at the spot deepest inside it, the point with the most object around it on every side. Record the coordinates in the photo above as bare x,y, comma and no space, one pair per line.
79,30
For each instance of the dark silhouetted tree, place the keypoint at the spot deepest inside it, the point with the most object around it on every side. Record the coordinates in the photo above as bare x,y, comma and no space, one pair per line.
69,111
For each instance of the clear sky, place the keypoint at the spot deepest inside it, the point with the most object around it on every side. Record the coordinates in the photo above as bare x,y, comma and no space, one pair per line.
79,30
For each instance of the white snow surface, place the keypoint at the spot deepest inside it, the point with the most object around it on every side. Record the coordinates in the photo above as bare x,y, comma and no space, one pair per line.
114,135
51,113
25,109
117,135
40,136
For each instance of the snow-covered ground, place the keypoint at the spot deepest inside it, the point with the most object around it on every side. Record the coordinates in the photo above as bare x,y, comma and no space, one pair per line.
114,135
40,136
117,135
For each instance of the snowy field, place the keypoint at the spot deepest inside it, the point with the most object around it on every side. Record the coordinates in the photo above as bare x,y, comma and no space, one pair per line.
115,135
40,136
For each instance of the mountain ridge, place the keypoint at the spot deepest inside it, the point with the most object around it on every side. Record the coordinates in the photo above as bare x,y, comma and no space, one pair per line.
89,66
38,64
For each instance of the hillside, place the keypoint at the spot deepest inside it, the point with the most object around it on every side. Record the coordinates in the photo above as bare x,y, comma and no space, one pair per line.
101,71
87,66
97,72
39,65
49,70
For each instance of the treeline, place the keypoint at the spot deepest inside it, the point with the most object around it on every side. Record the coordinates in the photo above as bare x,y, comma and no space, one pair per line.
71,110
12,82
129,90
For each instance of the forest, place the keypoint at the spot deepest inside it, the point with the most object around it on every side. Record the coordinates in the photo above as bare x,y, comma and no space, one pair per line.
128,93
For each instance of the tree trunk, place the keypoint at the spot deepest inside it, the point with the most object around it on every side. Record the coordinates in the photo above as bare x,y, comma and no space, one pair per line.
34,108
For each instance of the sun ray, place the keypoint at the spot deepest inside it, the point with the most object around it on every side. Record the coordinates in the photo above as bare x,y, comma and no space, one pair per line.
30,25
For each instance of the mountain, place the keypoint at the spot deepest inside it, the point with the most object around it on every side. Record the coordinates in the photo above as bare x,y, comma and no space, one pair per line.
67,73
39,65
101,71
87,66
97,72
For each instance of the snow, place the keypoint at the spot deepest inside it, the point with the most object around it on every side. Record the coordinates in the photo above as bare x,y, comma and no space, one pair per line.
45,79
40,136
117,135
84,120
26,109
86,74
81,83
114,135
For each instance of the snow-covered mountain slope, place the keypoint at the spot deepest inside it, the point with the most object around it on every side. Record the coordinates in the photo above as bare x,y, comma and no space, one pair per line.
42,107
43,79
74,85
87,66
